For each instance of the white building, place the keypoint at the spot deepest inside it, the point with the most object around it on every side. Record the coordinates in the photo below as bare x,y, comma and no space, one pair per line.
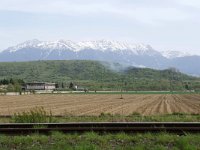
40,86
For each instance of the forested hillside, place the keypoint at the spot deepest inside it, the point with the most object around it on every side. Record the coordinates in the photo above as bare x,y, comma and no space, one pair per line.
96,75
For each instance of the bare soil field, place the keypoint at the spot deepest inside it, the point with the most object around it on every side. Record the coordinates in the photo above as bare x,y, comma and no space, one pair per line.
95,104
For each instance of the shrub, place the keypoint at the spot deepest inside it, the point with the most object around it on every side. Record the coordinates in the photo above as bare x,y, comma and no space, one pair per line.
35,115
135,114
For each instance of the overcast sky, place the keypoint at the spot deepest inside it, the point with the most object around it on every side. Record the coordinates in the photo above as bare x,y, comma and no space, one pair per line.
164,24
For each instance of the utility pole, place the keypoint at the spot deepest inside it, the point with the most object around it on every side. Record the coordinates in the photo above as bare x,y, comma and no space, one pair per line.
121,88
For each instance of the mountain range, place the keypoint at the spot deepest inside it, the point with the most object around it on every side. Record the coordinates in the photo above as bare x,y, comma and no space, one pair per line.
138,55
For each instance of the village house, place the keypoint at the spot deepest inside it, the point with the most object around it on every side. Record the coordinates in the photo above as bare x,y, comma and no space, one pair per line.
39,86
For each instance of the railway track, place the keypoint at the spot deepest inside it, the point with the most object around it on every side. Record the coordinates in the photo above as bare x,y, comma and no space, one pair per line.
128,127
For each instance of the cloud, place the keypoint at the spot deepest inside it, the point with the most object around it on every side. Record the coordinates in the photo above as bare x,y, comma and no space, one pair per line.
52,6
167,23
189,3
143,10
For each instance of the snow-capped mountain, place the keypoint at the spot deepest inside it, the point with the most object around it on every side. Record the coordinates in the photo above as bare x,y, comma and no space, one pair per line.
175,54
130,54
101,45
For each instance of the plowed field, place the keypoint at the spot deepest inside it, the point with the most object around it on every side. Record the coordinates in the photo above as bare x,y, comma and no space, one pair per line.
95,104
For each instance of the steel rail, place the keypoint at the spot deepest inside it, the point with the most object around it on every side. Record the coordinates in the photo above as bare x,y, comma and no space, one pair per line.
128,127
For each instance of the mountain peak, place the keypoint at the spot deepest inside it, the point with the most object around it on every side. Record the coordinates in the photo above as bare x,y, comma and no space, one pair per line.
101,45
29,43
175,54
97,45
140,55
32,42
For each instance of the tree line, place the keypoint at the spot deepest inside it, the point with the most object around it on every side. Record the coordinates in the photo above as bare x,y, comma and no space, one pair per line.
11,81
12,85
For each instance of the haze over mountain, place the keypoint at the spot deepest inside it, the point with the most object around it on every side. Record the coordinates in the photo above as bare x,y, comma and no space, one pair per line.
138,55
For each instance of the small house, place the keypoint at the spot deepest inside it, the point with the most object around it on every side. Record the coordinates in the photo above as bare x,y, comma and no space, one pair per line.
40,86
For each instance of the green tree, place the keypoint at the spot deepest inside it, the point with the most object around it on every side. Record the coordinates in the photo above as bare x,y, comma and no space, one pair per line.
71,86
17,87
10,88
187,87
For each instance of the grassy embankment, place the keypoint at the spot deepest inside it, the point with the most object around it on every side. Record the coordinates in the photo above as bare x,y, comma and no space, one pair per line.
90,141
176,117
126,92
40,115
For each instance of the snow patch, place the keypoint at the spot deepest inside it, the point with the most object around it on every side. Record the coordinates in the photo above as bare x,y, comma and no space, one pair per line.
174,54
101,45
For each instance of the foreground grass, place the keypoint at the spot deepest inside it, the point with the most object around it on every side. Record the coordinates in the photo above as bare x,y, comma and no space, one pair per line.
91,140
135,117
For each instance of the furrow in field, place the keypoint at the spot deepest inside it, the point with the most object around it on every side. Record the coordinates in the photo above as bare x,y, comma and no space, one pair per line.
95,104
